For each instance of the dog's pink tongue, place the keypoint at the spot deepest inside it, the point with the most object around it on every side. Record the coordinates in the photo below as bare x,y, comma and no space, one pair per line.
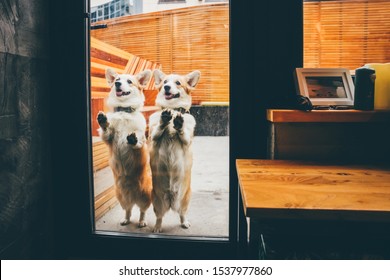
119,93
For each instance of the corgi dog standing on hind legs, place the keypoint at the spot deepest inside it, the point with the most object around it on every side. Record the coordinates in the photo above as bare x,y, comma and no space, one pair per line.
123,130
171,131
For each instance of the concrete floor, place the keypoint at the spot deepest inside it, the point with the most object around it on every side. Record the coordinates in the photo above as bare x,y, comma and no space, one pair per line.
209,207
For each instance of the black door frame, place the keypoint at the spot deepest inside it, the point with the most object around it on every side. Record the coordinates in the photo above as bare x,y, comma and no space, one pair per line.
256,38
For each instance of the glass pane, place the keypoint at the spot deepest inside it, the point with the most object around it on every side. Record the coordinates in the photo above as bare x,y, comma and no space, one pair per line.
160,86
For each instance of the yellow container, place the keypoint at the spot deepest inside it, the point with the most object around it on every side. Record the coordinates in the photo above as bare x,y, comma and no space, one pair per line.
382,85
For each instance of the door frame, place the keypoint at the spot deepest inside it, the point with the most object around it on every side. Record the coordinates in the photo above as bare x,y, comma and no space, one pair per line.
73,236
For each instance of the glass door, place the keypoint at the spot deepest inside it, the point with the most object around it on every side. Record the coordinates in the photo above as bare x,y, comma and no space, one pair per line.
159,73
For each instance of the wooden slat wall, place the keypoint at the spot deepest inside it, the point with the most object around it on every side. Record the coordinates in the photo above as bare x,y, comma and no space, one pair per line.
346,34
100,155
181,40
105,202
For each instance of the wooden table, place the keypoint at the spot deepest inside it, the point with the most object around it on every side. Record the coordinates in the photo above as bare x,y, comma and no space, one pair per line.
302,191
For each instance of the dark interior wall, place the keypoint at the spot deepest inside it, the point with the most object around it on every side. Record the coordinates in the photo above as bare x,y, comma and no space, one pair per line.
24,141
266,45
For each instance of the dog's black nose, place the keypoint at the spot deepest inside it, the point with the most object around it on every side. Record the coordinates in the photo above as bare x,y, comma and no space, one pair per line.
118,84
167,88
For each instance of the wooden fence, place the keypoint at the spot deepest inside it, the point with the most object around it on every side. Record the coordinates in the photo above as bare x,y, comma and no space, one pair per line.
346,34
181,40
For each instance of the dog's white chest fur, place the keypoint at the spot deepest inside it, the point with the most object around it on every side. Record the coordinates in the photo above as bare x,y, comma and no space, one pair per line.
125,123
172,153
123,154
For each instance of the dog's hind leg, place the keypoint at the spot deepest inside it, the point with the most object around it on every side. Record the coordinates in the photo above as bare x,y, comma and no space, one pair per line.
184,203
126,219
142,223
158,226
160,207
184,222
183,219
142,209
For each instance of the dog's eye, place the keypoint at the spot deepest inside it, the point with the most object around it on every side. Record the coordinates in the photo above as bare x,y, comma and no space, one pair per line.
165,81
178,83
129,81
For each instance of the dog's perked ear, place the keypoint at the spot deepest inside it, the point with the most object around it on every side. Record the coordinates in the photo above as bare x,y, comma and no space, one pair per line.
111,76
158,77
144,77
192,78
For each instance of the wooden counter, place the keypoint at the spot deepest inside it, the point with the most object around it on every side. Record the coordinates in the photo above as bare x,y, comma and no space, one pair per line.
329,116
329,135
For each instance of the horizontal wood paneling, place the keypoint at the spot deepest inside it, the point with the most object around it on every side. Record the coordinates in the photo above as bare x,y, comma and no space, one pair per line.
181,40
100,155
104,202
346,34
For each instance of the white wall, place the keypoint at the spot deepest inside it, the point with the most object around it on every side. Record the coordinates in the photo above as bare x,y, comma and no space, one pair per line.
153,6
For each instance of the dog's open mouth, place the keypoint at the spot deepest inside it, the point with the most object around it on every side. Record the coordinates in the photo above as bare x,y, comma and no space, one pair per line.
169,96
122,93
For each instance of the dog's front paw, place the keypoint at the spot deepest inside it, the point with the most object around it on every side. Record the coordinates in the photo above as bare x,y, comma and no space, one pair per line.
166,116
132,139
102,120
124,222
178,122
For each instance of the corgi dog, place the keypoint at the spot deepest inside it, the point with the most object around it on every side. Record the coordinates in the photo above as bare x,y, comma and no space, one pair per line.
171,131
123,130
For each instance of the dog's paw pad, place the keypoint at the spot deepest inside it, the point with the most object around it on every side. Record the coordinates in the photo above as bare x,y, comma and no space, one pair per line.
142,224
178,122
102,120
186,224
132,139
166,116
124,222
